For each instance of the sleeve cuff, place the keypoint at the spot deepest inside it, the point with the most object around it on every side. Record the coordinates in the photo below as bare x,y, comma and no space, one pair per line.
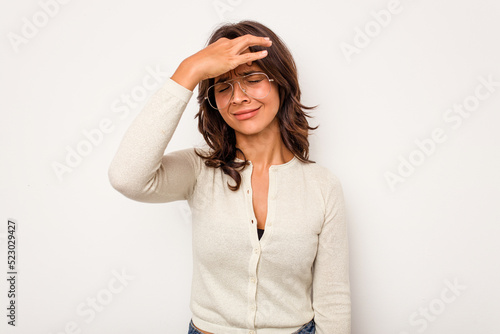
177,90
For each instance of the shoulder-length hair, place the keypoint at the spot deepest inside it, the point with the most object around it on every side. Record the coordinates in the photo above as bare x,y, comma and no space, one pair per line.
278,65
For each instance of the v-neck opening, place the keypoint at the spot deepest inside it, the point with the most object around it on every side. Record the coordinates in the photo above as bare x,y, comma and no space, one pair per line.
286,164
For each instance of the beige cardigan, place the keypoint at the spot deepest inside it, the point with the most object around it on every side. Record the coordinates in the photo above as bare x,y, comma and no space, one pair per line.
298,270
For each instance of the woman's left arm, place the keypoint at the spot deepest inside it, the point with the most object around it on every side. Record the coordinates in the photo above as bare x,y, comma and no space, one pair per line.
331,286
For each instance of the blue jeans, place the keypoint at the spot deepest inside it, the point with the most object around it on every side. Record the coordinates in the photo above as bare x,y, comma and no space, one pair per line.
308,328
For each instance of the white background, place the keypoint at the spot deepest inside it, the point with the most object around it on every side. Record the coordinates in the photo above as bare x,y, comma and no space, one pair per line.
440,225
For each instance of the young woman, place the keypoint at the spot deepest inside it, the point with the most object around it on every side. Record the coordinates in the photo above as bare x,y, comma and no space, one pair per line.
270,248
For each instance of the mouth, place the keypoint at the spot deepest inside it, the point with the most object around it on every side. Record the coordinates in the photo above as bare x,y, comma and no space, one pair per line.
245,114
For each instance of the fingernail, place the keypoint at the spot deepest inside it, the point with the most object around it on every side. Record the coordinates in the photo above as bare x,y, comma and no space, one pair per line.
264,52
266,38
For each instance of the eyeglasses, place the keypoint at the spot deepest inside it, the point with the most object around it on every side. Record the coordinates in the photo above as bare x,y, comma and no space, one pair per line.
255,85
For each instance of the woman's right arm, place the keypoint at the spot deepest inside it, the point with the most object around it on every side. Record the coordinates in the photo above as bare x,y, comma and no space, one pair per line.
139,169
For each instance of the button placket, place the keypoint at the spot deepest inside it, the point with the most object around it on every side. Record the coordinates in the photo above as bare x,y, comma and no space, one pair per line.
254,255
253,219
249,195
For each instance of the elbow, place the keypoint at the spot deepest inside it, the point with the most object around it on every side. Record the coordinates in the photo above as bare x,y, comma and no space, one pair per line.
119,181
115,180
128,186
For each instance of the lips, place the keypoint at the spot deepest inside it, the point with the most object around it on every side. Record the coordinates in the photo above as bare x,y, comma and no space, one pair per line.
245,114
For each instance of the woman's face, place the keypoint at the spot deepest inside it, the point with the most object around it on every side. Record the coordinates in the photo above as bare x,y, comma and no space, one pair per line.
248,115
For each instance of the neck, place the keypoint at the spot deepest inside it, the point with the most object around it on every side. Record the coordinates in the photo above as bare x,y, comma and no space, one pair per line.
263,149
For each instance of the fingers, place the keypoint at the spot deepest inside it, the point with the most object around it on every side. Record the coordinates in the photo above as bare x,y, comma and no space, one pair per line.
252,56
250,40
226,54
247,50
243,42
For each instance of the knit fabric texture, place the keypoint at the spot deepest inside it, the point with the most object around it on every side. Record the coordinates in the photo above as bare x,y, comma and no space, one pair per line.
297,271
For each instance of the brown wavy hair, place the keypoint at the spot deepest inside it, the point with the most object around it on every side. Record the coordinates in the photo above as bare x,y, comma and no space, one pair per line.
278,65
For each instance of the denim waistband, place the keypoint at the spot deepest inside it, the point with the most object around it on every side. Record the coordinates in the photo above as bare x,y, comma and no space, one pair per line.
308,328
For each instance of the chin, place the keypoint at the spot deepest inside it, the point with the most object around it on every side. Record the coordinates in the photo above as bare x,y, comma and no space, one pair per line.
250,129
247,132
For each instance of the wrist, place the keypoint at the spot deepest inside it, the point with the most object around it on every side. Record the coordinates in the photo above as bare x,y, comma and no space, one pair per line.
187,74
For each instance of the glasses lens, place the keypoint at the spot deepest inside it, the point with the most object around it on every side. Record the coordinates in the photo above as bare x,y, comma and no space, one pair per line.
255,85
219,95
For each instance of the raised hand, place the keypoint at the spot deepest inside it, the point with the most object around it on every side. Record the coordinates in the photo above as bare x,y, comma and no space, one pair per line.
218,58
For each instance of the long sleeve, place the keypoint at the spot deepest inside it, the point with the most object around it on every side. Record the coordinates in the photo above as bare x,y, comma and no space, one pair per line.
331,287
139,169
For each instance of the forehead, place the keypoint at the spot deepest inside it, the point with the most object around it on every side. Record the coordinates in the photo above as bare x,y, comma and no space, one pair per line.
239,71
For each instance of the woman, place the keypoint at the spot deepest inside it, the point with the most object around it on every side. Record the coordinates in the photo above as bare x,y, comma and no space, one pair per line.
254,176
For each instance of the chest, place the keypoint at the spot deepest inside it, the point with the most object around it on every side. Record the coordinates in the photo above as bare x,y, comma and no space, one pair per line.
260,193
287,204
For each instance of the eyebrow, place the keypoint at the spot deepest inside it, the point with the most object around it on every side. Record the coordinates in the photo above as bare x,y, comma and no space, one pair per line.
220,80
224,78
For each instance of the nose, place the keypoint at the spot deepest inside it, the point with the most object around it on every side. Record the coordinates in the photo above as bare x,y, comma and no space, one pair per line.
239,95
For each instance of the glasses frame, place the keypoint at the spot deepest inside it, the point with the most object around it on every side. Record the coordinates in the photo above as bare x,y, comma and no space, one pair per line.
238,79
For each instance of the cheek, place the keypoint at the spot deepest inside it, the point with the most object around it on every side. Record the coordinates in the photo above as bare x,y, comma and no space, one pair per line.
274,101
224,116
